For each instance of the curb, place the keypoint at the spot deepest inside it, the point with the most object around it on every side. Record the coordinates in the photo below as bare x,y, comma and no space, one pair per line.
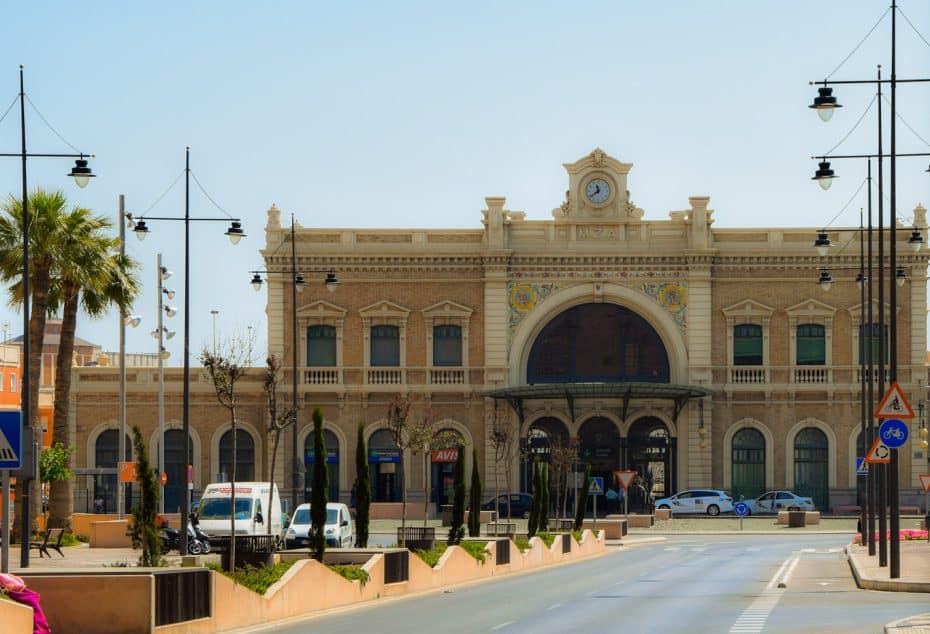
917,624
886,585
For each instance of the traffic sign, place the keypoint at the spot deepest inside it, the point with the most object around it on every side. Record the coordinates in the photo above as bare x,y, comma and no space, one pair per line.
128,471
597,486
862,468
741,509
11,440
894,404
925,481
893,433
878,453
625,478
164,478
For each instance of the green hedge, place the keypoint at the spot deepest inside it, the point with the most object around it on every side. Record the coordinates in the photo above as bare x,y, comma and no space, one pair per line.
350,572
257,579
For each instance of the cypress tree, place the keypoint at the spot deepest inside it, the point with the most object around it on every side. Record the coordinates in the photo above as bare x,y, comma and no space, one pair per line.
474,498
318,496
142,530
362,490
582,503
543,497
457,530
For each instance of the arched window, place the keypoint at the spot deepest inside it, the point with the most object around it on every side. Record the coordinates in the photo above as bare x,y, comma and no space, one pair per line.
332,465
747,344
598,342
811,467
748,463
176,462
442,467
106,456
384,461
321,346
811,345
385,346
447,345
245,456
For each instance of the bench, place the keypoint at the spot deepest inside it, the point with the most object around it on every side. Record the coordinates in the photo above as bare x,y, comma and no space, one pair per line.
613,528
417,537
253,550
810,517
501,529
42,546
634,520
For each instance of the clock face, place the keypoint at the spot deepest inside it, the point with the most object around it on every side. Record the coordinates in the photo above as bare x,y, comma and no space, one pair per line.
597,190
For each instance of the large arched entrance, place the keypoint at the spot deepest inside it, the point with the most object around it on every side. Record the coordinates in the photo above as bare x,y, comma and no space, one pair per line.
748,463
598,342
106,455
542,435
384,462
599,446
651,452
245,456
811,466
332,465
176,468
442,466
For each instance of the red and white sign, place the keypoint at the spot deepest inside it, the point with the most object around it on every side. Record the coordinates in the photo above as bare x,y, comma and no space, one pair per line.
879,453
445,455
164,478
625,478
925,481
894,404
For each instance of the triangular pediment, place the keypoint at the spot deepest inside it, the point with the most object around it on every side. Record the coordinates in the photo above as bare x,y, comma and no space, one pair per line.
748,308
322,309
811,307
448,308
385,308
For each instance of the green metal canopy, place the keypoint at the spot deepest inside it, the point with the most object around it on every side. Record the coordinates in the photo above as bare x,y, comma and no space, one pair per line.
678,394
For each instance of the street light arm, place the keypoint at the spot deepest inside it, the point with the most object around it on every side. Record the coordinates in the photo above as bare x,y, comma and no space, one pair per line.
867,81
861,156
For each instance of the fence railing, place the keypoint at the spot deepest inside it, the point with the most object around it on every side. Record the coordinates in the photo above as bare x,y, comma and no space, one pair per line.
502,551
396,566
182,595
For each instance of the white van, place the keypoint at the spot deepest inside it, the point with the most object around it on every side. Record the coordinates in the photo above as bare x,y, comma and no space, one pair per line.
339,528
252,513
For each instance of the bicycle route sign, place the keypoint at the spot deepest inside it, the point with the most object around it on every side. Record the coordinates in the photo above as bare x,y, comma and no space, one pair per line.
893,433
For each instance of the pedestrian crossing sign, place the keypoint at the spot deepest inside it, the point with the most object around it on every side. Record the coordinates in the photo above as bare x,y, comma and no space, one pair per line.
597,486
862,468
894,404
11,440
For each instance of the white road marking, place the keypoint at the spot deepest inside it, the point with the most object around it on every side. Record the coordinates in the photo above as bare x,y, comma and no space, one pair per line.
753,618
673,548
501,626
553,606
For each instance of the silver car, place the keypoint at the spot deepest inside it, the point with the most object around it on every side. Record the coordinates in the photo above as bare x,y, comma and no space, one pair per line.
775,501
710,501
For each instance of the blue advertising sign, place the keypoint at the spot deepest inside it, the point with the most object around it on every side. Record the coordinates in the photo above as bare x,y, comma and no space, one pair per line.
383,455
11,440
331,456
893,433
741,509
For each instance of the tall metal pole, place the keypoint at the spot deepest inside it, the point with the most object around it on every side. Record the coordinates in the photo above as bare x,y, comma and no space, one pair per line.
26,391
895,559
214,312
882,351
863,517
161,382
298,455
186,423
872,478
120,487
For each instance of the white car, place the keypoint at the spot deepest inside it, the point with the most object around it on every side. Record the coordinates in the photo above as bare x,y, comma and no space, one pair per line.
709,501
775,501
339,529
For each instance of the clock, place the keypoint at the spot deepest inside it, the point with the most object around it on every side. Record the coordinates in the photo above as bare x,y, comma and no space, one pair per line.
597,191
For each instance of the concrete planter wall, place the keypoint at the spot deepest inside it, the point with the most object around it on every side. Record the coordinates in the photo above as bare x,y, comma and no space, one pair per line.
15,617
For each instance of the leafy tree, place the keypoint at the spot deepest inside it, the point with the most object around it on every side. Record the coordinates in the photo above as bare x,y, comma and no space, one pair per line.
474,497
143,530
277,421
543,497
500,437
224,367
533,522
582,504
457,530
88,274
46,213
362,490
563,453
318,494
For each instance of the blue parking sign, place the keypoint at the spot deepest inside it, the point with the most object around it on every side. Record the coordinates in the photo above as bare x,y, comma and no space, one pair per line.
11,440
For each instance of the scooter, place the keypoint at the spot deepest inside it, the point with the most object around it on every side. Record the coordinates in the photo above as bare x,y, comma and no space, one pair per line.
171,540
202,537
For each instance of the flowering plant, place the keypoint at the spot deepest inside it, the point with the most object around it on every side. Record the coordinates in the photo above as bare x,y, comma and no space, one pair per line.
907,534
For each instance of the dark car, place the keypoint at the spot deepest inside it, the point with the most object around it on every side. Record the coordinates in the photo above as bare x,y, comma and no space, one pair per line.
519,505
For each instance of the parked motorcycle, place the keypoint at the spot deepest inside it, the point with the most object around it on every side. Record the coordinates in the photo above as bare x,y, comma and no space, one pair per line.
202,537
171,540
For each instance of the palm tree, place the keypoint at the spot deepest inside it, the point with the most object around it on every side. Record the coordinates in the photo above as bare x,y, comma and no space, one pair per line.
46,210
88,274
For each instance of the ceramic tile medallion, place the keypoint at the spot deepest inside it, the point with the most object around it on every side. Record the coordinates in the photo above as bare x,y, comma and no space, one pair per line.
524,297
673,297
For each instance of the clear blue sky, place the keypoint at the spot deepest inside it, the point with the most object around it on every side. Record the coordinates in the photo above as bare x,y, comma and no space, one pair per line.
407,114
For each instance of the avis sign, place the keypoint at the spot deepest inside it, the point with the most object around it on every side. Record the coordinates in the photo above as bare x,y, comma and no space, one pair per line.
445,455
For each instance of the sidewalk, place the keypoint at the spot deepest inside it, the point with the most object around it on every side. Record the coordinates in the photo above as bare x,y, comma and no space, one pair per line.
915,577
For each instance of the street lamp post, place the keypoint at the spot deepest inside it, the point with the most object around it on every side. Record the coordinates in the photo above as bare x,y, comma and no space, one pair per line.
82,175
214,313
297,285
234,233
825,104
161,333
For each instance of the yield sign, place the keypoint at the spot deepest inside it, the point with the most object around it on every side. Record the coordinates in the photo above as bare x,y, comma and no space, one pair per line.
625,478
925,481
879,453
894,404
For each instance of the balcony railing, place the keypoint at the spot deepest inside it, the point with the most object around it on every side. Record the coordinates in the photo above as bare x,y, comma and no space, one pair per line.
384,376
447,376
322,376
748,375
811,374
846,377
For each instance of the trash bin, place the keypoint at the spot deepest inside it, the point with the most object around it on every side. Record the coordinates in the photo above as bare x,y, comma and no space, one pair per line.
797,519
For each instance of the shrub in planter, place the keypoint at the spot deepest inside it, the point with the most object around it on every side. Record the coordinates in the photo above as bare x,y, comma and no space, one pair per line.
350,572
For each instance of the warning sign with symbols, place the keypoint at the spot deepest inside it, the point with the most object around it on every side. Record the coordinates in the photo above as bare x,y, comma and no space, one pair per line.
879,453
894,404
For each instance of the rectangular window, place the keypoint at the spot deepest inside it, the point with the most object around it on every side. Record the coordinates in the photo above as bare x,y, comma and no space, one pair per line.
1,381
13,379
48,363
447,345
747,344
811,347
321,346
385,346
867,334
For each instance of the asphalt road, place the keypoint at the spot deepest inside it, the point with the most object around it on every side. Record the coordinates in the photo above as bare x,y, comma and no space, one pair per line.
696,583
